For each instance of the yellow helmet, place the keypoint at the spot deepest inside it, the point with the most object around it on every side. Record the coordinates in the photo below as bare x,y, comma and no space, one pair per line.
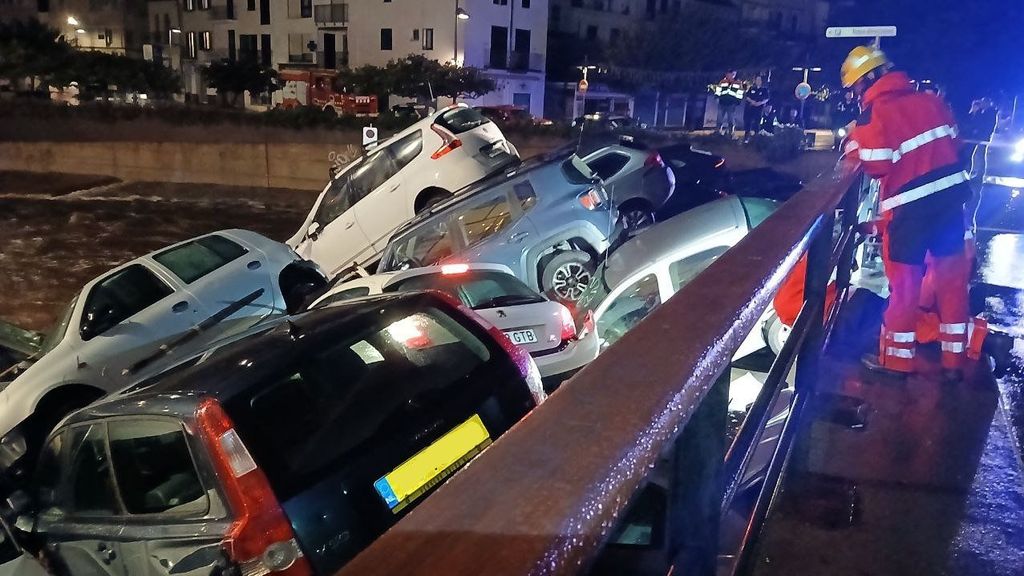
862,59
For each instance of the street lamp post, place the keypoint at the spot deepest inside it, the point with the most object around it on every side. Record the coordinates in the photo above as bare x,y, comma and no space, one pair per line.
803,102
460,14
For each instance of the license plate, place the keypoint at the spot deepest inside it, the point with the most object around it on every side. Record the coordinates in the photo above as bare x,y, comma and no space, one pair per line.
495,150
430,466
522,337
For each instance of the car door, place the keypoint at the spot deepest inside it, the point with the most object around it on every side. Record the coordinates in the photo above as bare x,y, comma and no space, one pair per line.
230,282
387,202
172,521
493,227
79,514
336,240
125,318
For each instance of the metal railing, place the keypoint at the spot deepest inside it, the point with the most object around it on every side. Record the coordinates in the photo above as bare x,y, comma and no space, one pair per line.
333,14
545,497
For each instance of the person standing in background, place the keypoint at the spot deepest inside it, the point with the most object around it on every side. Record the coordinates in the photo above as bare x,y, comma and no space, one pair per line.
730,94
756,99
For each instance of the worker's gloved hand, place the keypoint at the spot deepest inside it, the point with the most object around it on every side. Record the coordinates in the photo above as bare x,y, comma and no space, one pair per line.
867,228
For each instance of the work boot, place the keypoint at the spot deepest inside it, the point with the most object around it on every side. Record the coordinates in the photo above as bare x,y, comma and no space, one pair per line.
999,347
874,365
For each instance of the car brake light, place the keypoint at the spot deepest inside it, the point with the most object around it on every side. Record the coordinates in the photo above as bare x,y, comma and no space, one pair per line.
450,142
261,539
591,199
568,324
452,269
654,159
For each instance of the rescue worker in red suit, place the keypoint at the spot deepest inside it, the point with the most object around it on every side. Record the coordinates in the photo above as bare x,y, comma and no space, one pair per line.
908,141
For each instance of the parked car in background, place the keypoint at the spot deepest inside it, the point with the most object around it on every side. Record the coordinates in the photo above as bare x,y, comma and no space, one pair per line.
285,452
636,179
543,328
648,269
700,176
186,295
549,221
420,166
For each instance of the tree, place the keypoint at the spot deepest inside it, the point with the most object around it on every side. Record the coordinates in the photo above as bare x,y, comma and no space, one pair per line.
98,72
31,50
233,77
415,76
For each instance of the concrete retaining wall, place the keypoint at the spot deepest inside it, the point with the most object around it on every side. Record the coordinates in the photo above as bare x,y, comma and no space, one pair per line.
272,165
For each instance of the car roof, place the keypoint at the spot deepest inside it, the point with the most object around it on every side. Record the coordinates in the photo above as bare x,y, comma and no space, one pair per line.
382,280
231,369
660,241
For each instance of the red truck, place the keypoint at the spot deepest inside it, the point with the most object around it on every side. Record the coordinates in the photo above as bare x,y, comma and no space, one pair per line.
315,87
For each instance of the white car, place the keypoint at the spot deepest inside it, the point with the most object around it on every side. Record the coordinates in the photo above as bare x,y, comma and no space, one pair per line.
543,328
422,165
650,268
182,297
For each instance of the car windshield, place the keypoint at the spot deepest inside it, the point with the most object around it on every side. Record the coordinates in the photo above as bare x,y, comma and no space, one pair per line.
478,289
420,246
57,333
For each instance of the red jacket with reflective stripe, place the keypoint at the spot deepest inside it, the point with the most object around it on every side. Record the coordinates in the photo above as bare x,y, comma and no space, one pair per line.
907,140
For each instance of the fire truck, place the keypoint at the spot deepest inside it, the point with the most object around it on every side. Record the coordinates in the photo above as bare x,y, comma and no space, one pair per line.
315,87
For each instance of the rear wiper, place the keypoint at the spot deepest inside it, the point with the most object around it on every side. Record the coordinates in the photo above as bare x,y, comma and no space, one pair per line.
508,300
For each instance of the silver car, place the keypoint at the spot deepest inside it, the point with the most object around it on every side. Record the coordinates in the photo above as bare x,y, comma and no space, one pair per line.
543,328
637,180
550,221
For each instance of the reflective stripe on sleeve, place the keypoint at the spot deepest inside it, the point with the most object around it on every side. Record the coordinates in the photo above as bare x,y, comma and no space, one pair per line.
875,154
922,191
960,328
923,138
899,352
953,347
902,337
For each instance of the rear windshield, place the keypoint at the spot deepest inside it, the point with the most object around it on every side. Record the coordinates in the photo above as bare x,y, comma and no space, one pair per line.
333,407
478,289
423,245
459,120
758,210
576,170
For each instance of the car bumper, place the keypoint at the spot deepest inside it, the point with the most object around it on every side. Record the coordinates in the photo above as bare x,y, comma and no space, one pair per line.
575,355
659,185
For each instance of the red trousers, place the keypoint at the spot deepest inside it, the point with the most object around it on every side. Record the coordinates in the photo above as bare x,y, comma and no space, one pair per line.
942,294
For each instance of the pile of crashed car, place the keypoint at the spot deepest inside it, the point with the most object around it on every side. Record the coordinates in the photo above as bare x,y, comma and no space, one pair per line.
234,405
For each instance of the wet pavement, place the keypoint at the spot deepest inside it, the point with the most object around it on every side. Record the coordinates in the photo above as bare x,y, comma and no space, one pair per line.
57,232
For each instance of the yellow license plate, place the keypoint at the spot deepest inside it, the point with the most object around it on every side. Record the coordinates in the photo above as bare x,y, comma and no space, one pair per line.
430,466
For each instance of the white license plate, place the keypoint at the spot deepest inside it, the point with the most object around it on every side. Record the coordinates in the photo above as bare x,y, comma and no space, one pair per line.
521,337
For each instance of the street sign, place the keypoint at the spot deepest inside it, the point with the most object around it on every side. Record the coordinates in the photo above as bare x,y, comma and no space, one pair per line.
369,135
584,85
860,32
803,91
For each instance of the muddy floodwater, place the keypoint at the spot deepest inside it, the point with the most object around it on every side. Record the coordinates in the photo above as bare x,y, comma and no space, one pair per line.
57,232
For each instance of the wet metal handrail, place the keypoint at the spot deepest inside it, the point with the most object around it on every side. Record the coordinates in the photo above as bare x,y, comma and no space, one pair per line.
544,497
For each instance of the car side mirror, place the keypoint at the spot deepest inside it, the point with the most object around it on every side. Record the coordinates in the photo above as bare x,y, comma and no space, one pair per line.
97,321
313,231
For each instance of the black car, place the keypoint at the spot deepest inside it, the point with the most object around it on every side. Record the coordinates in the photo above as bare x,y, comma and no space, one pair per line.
286,452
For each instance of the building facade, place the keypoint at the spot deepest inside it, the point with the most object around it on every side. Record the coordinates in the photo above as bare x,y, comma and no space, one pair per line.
114,26
12,10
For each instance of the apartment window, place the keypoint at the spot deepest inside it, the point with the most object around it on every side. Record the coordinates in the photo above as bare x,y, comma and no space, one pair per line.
204,4
591,32
300,8
231,45
298,48
190,5
428,38
266,56
264,12
385,38
251,5
501,2
190,45
205,41
415,34
230,9
526,3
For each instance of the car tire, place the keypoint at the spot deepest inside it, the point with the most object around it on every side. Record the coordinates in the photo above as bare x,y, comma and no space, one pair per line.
566,276
429,199
775,334
636,216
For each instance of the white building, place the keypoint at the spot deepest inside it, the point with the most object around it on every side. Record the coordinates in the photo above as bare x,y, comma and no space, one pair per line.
114,26
507,39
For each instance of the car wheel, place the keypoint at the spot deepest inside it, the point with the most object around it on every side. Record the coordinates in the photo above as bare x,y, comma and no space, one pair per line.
636,217
567,275
775,334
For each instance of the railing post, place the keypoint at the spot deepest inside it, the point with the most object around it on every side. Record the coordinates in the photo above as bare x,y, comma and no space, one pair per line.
698,485
818,275
849,205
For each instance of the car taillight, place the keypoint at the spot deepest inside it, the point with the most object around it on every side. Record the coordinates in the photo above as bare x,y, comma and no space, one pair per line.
568,324
454,269
260,540
450,142
654,159
592,199
522,359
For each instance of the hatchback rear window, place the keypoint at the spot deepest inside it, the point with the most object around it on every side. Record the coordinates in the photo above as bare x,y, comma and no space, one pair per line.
335,405
459,120
196,259
477,289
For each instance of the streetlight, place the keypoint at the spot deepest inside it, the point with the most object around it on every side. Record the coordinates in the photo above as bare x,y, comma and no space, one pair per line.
79,30
460,14
72,21
803,101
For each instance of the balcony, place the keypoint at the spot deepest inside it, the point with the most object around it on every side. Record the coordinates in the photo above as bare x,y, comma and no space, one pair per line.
526,61
303,58
334,14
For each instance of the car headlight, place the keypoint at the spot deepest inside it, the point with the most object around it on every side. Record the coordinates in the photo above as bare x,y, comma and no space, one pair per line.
1018,152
